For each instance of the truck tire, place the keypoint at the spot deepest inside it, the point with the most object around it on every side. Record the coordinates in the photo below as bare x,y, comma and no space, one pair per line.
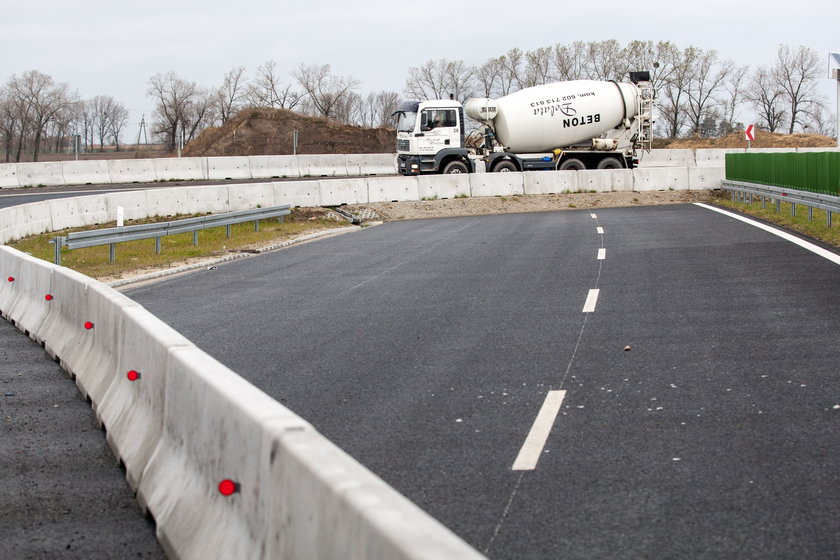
571,164
455,167
505,166
610,163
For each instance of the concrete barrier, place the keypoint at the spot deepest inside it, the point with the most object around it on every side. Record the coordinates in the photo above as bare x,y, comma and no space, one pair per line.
180,169
391,189
270,167
497,184
28,219
297,193
96,369
714,157
9,286
550,182
32,301
343,191
443,186
371,164
64,335
86,172
78,211
8,176
203,200
668,158
132,170
42,174
605,180
216,427
249,195
660,179
132,411
167,202
702,178
312,165
135,204
326,505
234,167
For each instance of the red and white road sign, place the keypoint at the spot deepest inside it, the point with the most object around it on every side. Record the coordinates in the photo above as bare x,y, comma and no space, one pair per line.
749,133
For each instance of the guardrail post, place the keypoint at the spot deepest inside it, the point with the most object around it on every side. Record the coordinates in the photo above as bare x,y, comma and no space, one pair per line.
195,238
793,209
112,252
828,218
778,205
256,225
59,243
763,202
810,213
157,245
227,231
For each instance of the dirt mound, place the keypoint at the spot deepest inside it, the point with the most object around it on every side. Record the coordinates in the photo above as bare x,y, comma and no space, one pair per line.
763,139
271,132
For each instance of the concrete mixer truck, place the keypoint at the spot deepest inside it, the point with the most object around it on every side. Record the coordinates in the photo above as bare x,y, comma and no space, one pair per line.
581,124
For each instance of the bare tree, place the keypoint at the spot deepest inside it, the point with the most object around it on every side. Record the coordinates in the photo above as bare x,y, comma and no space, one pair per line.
179,106
570,62
325,92
767,98
707,80
673,105
270,91
732,96
796,71
228,97
538,67
438,79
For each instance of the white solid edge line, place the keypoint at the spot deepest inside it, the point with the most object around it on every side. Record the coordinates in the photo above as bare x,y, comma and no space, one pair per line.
531,450
602,254
591,300
833,257
600,230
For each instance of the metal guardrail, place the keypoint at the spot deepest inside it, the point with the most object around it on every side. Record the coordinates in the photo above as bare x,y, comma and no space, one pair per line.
112,236
829,203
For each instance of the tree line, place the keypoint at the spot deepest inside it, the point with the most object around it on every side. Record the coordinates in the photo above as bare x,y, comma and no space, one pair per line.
698,93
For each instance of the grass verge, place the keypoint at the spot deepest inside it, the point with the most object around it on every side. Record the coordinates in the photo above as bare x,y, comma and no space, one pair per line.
816,229
139,256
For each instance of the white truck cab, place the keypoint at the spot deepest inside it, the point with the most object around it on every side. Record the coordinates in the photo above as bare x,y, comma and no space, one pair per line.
430,138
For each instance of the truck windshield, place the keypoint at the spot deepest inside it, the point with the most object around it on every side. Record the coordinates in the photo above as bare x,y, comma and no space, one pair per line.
406,122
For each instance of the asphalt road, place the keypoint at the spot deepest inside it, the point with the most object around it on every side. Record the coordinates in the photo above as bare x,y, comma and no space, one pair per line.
700,392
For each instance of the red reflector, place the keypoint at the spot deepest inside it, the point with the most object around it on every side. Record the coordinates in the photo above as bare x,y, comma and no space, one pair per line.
88,325
133,375
227,487
48,297
11,278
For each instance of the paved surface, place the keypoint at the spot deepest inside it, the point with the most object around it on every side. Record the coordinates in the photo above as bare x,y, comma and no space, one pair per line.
425,349
62,493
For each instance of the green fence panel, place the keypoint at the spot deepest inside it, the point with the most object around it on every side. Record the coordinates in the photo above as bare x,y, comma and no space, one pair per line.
813,171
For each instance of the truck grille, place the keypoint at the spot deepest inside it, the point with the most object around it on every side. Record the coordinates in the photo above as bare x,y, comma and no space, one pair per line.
403,145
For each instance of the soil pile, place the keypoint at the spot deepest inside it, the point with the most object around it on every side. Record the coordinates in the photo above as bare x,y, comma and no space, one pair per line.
763,139
271,132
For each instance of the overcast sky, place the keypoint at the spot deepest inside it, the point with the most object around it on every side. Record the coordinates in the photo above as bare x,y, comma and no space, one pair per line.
114,47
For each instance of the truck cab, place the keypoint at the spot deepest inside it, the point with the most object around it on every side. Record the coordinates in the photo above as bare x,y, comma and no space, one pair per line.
430,138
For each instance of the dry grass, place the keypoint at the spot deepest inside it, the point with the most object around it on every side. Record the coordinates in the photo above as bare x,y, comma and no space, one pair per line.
816,229
140,256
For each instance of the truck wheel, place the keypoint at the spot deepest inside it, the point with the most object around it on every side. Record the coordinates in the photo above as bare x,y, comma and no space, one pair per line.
455,167
505,166
571,164
610,163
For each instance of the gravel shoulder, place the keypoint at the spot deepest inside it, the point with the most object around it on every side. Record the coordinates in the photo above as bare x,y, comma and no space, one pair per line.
416,210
